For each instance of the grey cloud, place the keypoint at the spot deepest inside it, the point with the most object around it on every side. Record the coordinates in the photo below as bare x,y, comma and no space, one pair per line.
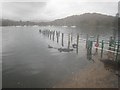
21,9
52,9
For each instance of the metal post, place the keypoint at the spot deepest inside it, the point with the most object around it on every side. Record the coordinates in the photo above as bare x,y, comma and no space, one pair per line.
116,59
102,46
89,49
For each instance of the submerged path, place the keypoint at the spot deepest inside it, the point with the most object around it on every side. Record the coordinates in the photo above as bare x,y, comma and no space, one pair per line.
93,76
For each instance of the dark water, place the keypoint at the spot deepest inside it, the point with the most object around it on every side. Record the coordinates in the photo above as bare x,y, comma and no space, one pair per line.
28,62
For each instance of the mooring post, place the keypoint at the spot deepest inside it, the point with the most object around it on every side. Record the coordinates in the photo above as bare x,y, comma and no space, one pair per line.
97,44
86,40
56,33
53,35
62,39
57,37
45,33
77,43
68,41
59,34
50,35
102,46
40,31
71,38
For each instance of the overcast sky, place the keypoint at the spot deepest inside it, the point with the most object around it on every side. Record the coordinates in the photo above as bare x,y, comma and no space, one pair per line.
54,9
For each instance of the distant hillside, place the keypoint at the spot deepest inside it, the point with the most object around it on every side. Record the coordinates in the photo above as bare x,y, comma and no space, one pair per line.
87,19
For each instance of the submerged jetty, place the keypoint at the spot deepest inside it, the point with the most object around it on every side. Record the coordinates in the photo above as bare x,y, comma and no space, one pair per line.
64,49
107,50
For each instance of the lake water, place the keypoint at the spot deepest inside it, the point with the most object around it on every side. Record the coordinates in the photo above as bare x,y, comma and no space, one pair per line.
27,62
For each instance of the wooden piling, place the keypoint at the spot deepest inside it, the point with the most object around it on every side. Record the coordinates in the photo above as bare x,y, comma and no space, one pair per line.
40,30
77,43
53,35
68,41
56,33
62,39
97,43
86,40
57,37
71,38
50,35
102,46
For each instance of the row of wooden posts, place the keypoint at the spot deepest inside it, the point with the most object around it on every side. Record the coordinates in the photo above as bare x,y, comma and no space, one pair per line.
52,34
89,43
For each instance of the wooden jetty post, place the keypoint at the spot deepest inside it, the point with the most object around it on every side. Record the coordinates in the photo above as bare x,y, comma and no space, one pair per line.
53,35
57,37
71,38
50,34
40,30
62,39
68,41
97,44
86,40
56,33
102,46
77,43
44,32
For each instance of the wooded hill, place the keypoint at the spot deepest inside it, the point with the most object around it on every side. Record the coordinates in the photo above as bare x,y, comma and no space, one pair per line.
87,19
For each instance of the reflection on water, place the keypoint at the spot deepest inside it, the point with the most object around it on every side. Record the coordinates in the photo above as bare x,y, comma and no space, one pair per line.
28,62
